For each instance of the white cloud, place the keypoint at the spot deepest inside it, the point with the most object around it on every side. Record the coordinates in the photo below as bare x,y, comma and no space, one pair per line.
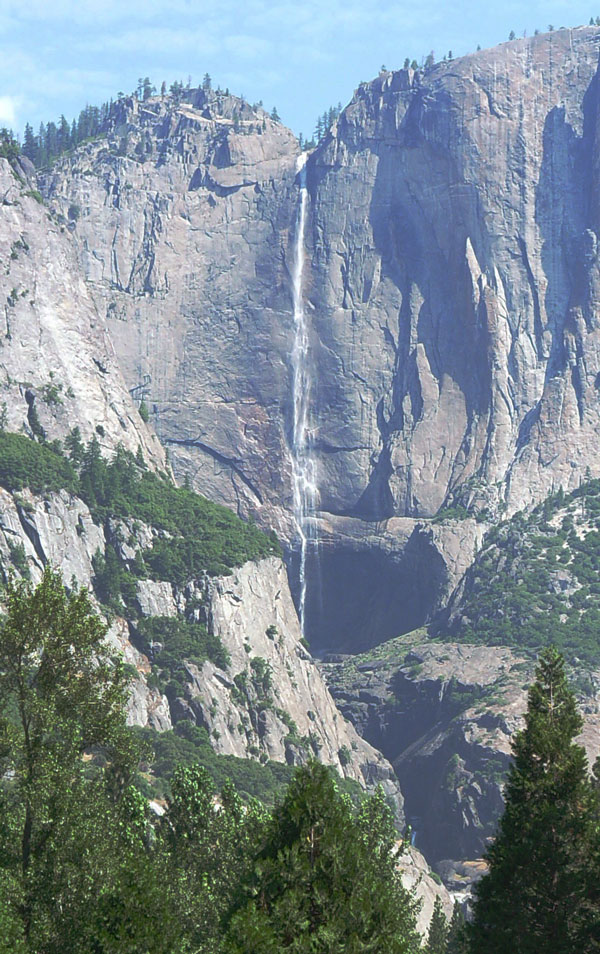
8,114
247,47
151,40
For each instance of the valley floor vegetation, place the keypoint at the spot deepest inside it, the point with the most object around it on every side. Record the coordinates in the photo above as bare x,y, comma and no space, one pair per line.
89,866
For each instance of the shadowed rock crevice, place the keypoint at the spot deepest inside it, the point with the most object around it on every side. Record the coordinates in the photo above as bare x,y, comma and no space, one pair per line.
359,597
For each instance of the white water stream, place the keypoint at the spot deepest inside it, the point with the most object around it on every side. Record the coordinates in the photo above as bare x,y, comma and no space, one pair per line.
304,472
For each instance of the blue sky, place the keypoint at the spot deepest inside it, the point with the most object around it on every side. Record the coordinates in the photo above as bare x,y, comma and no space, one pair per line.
303,56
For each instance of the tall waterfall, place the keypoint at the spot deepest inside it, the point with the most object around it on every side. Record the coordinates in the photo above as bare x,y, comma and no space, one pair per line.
303,464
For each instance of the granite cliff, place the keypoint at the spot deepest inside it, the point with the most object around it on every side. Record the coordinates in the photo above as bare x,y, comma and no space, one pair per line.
58,373
444,714
451,287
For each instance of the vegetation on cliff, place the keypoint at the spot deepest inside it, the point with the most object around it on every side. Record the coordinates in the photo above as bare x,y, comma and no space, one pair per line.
197,537
40,467
536,580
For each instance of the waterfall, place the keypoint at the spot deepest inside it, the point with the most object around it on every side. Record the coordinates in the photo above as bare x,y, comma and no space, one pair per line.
304,476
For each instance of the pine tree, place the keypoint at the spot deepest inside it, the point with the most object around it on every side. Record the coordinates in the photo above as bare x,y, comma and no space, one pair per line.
30,147
63,134
541,895
457,938
325,880
437,936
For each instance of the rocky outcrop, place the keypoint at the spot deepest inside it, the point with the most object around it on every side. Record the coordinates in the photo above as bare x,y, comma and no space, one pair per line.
458,283
451,286
272,697
58,529
181,218
444,714
60,371
416,876
269,702
58,367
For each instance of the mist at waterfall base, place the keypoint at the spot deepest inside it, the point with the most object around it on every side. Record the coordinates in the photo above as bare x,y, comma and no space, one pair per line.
357,599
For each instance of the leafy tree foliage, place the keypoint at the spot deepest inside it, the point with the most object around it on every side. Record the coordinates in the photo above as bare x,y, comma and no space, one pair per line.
325,879
61,695
85,867
541,894
208,841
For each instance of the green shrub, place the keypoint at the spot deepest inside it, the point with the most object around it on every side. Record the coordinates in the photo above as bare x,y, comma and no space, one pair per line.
188,744
170,642
345,756
514,591
35,194
18,558
206,537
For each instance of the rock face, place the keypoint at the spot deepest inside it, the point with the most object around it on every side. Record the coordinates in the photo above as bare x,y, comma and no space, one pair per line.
452,288
459,282
272,699
271,702
416,876
59,370
57,363
181,219
444,715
